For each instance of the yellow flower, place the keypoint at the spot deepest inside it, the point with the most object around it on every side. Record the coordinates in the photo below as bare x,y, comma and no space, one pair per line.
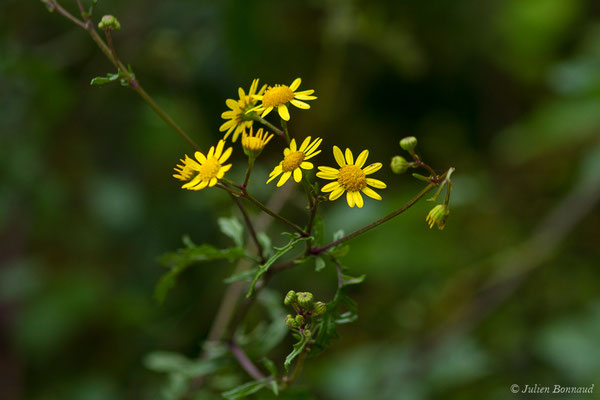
209,169
351,178
254,144
294,160
438,215
238,116
279,96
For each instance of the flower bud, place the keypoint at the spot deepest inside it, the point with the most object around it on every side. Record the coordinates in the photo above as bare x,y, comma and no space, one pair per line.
399,165
253,144
290,322
305,299
319,308
307,333
409,143
300,320
290,298
109,22
438,215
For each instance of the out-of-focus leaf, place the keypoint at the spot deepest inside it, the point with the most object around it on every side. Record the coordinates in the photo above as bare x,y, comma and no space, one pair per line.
279,251
232,228
319,263
162,361
103,80
241,276
270,366
246,389
298,348
265,242
181,259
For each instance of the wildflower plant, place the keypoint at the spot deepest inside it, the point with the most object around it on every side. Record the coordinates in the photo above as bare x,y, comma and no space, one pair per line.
312,323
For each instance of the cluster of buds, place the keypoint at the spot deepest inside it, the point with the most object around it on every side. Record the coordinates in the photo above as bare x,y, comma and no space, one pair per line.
399,164
306,309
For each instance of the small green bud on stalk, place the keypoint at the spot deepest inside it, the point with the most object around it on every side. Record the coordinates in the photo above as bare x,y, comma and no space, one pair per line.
290,298
305,299
109,22
299,320
409,143
290,322
319,308
399,165
307,333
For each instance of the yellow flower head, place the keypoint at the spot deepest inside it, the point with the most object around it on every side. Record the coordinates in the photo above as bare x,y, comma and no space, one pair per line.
351,178
438,215
254,144
279,96
209,169
237,116
294,160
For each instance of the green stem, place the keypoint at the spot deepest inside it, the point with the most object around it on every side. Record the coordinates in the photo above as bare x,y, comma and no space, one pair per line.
269,125
250,226
285,130
260,205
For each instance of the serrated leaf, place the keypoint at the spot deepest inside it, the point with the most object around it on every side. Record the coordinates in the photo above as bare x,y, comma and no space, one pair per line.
103,80
232,228
245,389
297,350
319,263
180,260
294,239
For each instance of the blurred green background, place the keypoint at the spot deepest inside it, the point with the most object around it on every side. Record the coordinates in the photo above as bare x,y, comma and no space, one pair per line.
506,91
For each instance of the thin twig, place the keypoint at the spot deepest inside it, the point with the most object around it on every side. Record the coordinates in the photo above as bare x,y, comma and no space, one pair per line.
253,235
244,361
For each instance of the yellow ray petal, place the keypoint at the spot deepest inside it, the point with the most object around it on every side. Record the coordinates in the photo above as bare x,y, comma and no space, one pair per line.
376,183
296,84
231,103
219,149
339,157
300,104
212,182
297,175
284,178
350,199
313,146
330,187
200,157
329,170
336,193
304,144
311,155
362,158
372,168
283,112
226,155
349,157
306,165
358,199
371,193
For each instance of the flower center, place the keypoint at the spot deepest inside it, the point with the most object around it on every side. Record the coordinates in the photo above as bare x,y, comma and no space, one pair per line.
209,169
352,178
277,95
292,161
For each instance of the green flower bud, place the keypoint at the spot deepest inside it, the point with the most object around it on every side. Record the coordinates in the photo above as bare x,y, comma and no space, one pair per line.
438,215
399,165
109,22
305,299
320,308
409,143
290,322
290,298
300,320
307,333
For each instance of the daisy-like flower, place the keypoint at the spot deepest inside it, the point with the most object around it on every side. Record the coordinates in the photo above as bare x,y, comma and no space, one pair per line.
208,169
351,178
254,144
279,96
294,160
238,116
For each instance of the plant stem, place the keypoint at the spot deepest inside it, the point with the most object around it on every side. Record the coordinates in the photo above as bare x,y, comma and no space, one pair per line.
298,367
244,361
111,55
251,229
260,205
380,221
269,125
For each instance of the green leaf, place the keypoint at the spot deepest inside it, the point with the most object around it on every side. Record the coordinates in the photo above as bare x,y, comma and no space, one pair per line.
318,231
241,276
163,361
339,251
246,389
103,80
270,366
279,251
265,242
298,349
319,263
352,280
180,260
232,228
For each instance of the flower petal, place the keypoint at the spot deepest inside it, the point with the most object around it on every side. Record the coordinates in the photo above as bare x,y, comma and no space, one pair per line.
311,155
297,175
350,199
330,187
336,194
296,84
371,193
219,149
211,152
191,183
306,165
231,103
305,92
212,182
362,158
339,157
376,183
349,157
329,170
358,199
225,155
304,144
266,111
293,145
300,104
284,178
283,112
313,146
372,168
200,186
